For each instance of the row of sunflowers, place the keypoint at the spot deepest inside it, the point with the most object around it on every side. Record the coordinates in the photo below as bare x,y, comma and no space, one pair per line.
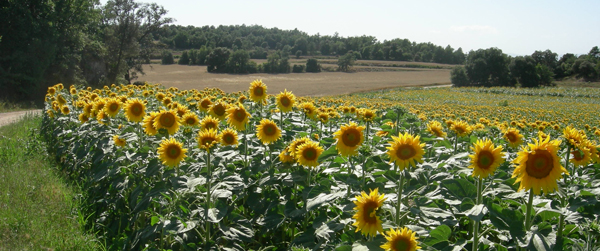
400,170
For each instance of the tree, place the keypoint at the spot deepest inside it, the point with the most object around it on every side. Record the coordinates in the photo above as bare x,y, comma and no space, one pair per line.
584,68
458,77
523,70
312,65
216,61
184,59
488,67
238,62
127,29
346,61
298,53
167,58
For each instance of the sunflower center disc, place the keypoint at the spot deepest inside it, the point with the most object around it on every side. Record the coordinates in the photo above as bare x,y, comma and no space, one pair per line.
136,110
269,130
310,154
190,121
405,152
228,138
370,212
240,115
219,110
351,138
577,155
401,245
205,104
511,137
167,120
485,159
285,101
539,164
114,107
258,91
173,152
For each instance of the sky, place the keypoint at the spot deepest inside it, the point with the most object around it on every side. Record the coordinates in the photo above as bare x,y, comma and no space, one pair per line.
515,27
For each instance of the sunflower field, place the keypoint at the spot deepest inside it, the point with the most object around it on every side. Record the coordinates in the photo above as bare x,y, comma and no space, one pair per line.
406,169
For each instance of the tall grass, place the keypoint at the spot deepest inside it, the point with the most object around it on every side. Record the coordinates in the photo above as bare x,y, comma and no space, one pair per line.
7,106
37,209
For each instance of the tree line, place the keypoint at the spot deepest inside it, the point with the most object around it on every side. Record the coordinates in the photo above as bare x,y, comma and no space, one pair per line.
258,40
491,67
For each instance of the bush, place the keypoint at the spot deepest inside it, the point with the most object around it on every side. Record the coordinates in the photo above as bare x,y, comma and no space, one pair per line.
458,77
185,59
167,58
298,68
312,65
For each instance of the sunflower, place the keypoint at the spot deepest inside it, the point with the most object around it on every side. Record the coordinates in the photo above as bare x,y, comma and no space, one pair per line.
381,133
308,154
435,127
83,118
148,123
207,139
367,206
582,154
267,131
65,110
461,128
401,240
295,144
180,109
209,122
135,110
190,119
349,138
258,91
51,90
538,166
167,120
309,109
486,158
406,150
50,113
286,101
513,137
237,117
205,104
367,115
573,136
171,152
119,141
218,110
61,100
285,156
594,152
323,117
228,137
160,96
112,107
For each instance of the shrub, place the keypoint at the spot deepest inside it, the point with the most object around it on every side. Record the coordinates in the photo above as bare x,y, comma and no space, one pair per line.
298,68
167,58
312,65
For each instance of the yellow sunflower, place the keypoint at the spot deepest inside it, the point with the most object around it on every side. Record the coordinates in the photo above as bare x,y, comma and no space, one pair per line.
228,137
461,128
406,150
349,138
258,91
367,206
581,155
486,158
209,122
65,110
119,141
308,154
112,107
237,117
573,136
435,127
50,113
190,119
267,131
148,123
171,152
218,110
309,109
538,166
167,120
400,240
83,118
367,115
295,144
286,101
285,156
135,110
205,104
514,138
207,139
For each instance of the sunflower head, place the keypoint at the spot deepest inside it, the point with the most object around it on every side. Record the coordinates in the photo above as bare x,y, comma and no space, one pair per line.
228,137
171,152
112,107
349,139
167,120
367,207
205,104
486,158
581,155
574,137
513,137
83,118
308,154
286,101
135,110
207,139
190,119
237,117
461,128
309,109
218,110
367,115
400,240
148,124
65,110
267,131
406,150
120,142
209,122
285,156
435,127
538,166
295,144
258,91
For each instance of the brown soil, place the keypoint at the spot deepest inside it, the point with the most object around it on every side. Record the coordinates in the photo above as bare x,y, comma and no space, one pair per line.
301,84
10,117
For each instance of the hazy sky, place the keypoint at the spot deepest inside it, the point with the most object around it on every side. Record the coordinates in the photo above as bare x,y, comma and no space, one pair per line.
516,27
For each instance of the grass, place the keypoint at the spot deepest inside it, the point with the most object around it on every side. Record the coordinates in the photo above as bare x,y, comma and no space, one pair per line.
6,106
38,211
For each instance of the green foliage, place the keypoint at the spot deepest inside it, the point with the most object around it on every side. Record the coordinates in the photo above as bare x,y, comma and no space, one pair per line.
216,61
345,62
298,54
184,59
458,76
488,67
277,62
298,68
585,69
167,58
238,62
312,65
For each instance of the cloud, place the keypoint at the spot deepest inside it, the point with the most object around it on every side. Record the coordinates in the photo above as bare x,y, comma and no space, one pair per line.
477,29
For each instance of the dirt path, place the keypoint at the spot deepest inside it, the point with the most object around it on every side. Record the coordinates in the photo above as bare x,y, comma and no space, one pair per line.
10,117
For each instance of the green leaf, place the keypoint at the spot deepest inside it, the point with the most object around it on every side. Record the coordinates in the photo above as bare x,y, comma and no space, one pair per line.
322,199
506,219
439,235
460,188
332,151
476,213
154,220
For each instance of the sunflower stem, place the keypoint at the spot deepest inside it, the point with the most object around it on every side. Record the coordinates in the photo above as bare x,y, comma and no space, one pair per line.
245,148
208,178
528,213
561,220
476,223
399,195
455,143
567,163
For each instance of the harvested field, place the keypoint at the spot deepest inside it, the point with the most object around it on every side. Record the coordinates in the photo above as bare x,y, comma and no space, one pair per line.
301,84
